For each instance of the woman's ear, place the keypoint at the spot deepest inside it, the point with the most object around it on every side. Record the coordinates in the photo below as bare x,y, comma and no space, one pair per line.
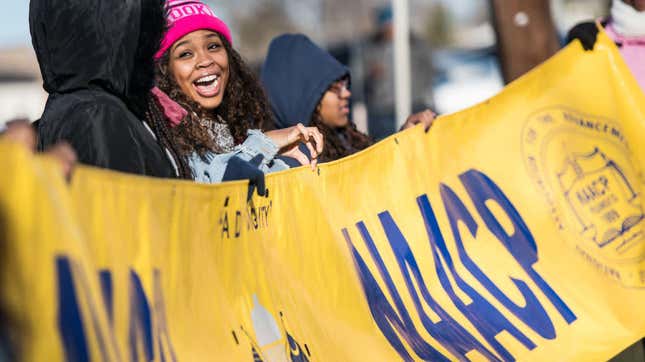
163,69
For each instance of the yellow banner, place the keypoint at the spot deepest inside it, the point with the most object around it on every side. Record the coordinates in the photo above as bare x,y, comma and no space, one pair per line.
511,231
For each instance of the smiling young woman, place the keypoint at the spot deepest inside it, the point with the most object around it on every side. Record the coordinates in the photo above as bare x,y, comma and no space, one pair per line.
209,104
199,63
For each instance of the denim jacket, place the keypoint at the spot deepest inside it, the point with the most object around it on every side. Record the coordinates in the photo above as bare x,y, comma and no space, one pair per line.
211,167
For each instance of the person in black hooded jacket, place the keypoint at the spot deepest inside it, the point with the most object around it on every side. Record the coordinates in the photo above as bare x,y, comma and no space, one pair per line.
296,75
97,62
307,84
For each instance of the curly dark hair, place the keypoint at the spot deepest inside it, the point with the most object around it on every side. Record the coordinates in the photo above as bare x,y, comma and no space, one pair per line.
339,142
156,118
245,106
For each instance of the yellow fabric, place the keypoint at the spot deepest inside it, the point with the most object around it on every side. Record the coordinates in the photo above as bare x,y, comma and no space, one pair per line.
224,280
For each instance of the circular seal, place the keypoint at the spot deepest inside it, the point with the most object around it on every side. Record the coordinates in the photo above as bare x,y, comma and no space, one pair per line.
582,165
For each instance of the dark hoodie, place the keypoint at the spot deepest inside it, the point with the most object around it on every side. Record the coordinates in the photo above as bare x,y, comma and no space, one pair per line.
296,74
96,59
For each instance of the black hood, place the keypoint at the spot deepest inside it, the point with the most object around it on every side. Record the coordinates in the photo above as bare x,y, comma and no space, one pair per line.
96,59
83,44
295,75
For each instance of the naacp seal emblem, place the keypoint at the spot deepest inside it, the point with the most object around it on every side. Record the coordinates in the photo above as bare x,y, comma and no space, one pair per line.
582,165
600,196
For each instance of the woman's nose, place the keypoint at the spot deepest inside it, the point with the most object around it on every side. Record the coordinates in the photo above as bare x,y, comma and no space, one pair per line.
204,60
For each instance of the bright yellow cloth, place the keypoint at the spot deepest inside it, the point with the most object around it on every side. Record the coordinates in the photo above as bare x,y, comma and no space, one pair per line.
512,230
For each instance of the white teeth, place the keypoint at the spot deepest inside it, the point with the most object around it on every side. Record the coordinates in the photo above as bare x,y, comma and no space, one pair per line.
212,86
207,79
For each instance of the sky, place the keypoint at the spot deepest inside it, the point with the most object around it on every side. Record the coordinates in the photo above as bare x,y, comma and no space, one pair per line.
14,23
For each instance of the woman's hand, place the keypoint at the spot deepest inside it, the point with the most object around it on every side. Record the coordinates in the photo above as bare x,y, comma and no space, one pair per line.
289,139
426,118
21,132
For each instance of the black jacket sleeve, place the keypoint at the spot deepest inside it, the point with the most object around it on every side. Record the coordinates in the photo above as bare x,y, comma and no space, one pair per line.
238,169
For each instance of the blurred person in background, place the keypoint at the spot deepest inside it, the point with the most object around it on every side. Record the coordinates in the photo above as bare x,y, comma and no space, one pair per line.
373,69
306,84
211,107
626,27
98,68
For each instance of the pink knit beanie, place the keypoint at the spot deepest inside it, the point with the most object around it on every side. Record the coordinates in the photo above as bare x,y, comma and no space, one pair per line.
186,16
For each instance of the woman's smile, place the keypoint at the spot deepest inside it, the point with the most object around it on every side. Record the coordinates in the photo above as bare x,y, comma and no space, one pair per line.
207,86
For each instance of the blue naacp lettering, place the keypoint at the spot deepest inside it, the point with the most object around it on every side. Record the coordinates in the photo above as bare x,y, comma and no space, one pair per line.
105,278
447,331
391,322
166,349
397,323
74,332
70,317
140,331
296,353
105,339
70,323
521,244
533,314
486,318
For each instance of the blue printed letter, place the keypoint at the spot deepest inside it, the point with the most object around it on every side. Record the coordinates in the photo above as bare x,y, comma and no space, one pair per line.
521,244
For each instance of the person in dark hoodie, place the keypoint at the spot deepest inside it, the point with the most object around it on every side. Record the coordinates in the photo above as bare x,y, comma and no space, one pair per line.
306,84
97,62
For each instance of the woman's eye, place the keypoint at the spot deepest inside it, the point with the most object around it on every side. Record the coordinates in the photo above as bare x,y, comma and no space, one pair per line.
213,46
184,54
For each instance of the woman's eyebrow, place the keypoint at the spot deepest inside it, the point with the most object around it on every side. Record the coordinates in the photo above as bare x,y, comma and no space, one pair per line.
185,42
211,35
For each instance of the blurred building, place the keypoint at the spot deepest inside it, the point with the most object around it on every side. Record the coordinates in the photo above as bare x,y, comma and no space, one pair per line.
21,92
567,13
459,31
